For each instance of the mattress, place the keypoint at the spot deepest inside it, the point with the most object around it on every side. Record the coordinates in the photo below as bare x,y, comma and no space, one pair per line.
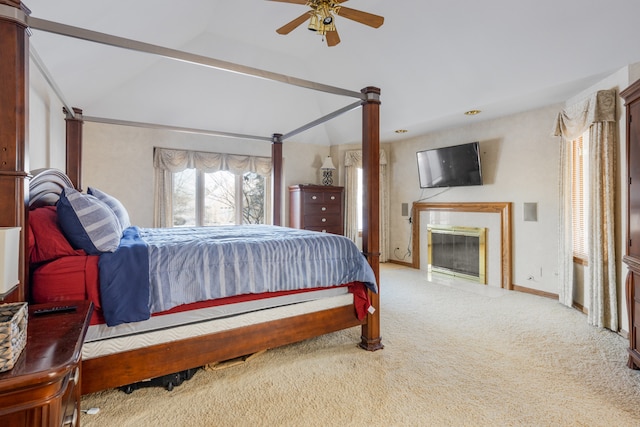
103,340
269,272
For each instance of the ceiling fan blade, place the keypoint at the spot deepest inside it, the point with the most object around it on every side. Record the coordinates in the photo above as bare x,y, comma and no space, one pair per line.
304,1
365,18
291,1
287,28
332,38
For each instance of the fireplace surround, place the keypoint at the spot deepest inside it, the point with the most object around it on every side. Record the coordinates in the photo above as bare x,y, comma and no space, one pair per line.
502,210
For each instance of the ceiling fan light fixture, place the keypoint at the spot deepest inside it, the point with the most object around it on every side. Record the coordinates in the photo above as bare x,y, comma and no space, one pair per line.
325,13
321,18
313,23
331,26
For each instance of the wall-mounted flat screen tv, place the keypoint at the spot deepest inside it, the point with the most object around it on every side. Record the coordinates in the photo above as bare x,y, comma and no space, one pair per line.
453,166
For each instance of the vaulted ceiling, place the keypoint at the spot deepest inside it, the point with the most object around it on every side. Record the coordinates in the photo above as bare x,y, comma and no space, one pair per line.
432,60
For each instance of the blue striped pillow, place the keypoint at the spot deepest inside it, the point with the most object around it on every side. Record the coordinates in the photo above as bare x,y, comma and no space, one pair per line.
116,206
88,223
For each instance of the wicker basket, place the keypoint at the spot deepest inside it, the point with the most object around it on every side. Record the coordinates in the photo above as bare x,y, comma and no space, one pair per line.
13,333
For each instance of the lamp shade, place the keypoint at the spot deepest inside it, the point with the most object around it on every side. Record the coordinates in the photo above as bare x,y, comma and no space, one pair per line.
328,164
9,258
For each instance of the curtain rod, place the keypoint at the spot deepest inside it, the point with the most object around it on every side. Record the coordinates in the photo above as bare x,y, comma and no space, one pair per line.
49,78
71,112
323,119
174,128
288,135
83,34
97,37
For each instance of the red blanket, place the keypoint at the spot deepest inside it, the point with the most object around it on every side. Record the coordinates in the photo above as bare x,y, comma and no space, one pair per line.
76,278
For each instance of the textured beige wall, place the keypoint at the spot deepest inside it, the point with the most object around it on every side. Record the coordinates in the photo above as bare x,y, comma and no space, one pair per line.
119,160
519,165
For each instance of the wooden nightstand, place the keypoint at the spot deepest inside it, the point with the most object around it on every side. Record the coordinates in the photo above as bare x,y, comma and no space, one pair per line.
43,388
317,208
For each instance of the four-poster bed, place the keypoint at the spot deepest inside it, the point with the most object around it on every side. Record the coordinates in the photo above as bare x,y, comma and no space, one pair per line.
122,368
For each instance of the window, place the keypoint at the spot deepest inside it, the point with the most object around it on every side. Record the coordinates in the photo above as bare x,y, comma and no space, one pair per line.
218,198
580,195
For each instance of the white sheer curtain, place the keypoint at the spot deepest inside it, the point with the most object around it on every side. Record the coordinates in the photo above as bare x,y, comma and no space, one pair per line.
168,161
565,224
597,114
353,161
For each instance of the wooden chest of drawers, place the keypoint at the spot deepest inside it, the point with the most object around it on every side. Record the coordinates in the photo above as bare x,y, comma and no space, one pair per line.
317,208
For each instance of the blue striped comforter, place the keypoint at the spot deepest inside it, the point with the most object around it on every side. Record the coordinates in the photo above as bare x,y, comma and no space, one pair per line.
193,264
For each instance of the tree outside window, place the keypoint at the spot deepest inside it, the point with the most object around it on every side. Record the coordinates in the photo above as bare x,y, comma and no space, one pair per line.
218,198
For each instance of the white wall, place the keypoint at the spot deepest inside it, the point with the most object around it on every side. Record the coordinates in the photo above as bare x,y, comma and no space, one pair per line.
519,165
119,161
46,143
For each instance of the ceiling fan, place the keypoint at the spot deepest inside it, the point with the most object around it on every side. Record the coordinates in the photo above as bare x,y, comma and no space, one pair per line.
322,18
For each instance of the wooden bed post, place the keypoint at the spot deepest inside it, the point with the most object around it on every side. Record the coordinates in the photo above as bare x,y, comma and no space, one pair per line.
74,146
14,108
276,174
371,339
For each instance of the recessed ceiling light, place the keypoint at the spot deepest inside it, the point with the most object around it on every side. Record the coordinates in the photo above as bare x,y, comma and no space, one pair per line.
401,131
472,112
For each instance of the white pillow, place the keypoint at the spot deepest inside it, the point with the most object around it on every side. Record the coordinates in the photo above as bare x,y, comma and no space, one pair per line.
116,206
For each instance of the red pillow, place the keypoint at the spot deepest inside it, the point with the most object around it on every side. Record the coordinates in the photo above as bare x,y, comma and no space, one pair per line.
48,241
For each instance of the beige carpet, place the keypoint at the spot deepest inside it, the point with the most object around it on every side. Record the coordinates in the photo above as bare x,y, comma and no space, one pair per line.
455,355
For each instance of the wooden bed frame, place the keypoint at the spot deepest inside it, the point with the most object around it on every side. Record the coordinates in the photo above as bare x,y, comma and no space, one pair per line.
132,366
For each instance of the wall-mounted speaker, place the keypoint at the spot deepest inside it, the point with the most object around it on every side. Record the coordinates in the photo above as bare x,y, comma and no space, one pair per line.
530,211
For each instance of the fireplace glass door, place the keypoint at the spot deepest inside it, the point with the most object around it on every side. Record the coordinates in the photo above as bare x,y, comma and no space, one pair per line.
457,251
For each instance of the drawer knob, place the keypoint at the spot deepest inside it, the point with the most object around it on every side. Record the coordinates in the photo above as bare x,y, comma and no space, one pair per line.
324,219
324,209
324,231
333,197
314,197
